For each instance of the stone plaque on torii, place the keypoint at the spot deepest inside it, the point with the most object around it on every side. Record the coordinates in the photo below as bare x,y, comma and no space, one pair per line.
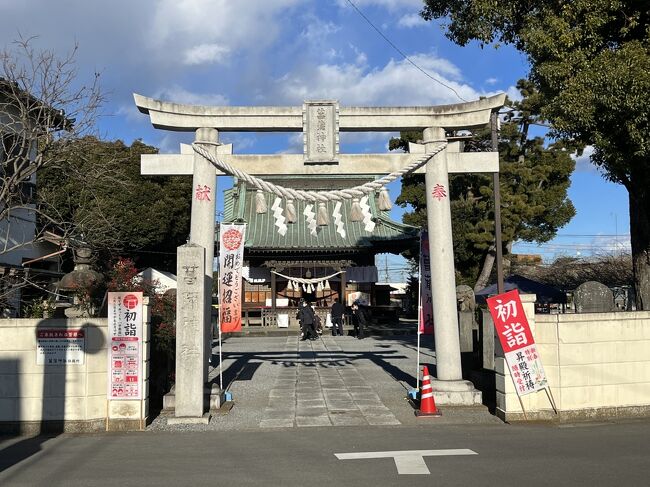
321,122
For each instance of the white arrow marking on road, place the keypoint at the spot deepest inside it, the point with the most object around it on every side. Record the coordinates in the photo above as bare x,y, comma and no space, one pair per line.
408,462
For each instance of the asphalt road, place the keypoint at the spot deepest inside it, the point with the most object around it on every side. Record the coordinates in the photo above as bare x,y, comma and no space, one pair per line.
505,455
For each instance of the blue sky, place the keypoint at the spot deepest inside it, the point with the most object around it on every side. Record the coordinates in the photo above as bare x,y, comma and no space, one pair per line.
280,52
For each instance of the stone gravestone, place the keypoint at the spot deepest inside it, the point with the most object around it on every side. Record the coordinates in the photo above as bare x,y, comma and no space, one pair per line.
466,321
593,297
190,356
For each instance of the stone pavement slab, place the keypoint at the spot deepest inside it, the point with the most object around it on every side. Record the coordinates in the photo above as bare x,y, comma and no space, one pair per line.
281,382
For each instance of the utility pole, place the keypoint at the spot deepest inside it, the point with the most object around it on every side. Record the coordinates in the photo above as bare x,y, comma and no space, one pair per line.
386,267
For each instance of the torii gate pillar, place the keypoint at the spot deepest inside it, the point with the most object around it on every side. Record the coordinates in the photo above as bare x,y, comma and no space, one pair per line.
204,196
449,387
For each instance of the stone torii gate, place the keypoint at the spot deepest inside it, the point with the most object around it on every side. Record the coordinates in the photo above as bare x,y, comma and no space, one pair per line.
321,122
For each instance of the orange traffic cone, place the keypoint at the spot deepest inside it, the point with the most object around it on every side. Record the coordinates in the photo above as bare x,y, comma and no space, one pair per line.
427,403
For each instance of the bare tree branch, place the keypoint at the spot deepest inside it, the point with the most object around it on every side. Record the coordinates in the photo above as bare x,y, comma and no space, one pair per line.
44,107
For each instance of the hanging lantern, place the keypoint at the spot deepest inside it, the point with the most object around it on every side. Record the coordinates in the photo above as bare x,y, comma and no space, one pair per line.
356,213
383,202
260,202
290,212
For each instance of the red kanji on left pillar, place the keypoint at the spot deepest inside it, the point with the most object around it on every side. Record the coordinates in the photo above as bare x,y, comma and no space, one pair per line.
202,193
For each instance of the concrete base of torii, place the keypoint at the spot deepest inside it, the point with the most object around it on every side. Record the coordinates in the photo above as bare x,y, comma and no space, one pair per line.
456,393
213,398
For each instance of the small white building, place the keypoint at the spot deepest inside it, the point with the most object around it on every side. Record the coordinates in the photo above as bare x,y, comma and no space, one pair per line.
163,280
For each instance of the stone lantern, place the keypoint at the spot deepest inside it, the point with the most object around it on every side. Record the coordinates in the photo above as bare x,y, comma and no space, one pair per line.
84,282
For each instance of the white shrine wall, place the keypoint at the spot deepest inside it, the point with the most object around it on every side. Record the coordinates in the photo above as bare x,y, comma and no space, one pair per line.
597,365
71,398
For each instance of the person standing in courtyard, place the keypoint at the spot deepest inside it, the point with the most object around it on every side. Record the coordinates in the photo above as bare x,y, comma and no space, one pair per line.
306,316
337,317
361,319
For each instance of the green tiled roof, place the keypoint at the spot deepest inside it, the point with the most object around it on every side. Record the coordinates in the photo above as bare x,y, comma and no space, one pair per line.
262,234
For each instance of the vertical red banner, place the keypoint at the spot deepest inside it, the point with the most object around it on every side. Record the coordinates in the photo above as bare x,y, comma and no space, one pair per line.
517,341
231,258
425,326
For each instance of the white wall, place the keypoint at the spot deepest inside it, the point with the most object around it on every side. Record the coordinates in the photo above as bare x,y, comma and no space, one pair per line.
76,394
597,364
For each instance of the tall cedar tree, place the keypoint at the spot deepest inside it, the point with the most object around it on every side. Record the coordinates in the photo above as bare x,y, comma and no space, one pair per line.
534,180
590,60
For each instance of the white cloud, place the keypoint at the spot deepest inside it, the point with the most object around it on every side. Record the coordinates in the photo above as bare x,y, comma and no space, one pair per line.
131,113
169,142
491,81
387,4
397,83
316,32
181,27
361,58
206,54
612,245
513,93
411,20
179,94
583,162
295,144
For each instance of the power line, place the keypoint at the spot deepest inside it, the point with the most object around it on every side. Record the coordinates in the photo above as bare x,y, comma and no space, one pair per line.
402,52
592,235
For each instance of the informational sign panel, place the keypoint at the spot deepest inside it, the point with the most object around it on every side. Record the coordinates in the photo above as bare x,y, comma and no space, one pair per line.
426,304
55,346
125,345
518,343
231,257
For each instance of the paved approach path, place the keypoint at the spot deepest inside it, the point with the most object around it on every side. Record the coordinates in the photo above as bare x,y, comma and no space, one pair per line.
322,388
282,382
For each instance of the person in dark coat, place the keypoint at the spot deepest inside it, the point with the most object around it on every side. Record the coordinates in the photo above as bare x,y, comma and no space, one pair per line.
307,319
361,320
337,317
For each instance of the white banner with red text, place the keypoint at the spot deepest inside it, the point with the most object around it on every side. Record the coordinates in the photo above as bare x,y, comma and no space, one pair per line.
231,259
125,345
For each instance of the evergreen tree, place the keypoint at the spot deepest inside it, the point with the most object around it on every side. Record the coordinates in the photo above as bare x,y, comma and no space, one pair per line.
534,179
117,211
590,60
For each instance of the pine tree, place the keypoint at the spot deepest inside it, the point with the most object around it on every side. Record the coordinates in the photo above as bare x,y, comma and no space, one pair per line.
534,179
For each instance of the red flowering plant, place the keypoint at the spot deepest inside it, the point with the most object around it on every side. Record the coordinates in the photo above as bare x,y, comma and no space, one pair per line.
124,277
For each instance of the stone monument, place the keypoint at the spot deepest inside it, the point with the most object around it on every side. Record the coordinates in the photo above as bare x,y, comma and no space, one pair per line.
593,297
466,320
190,349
